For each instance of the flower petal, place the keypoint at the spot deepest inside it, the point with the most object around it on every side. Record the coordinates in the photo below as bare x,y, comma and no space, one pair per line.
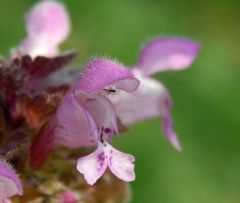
101,110
35,47
93,165
47,26
146,102
121,164
101,73
10,183
75,126
6,200
167,126
165,54
150,100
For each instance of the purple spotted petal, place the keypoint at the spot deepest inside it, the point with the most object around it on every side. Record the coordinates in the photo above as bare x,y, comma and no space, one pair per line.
150,100
47,26
75,126
121,164
165,54
101,73
9,181
93,165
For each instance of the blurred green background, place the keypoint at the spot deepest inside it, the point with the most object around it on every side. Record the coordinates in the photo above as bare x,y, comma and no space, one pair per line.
206,96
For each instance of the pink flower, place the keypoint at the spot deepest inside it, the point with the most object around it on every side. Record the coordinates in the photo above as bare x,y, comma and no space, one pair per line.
152,99
100,78
87,118
10,184
47,26
69,197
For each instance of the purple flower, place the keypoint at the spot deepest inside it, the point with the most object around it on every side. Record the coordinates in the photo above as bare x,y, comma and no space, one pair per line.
87,118
10,184
152,99
47,26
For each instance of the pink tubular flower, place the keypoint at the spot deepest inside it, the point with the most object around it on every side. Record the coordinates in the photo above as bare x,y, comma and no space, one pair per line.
152,99
47,26
87,118
101,77
10,184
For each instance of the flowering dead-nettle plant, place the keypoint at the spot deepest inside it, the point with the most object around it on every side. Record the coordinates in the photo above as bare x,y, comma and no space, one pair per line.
57,124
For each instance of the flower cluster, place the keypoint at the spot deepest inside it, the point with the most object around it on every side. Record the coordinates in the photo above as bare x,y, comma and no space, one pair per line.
45,106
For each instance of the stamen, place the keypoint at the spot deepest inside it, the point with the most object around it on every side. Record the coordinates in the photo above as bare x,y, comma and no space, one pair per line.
101,135
110,91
